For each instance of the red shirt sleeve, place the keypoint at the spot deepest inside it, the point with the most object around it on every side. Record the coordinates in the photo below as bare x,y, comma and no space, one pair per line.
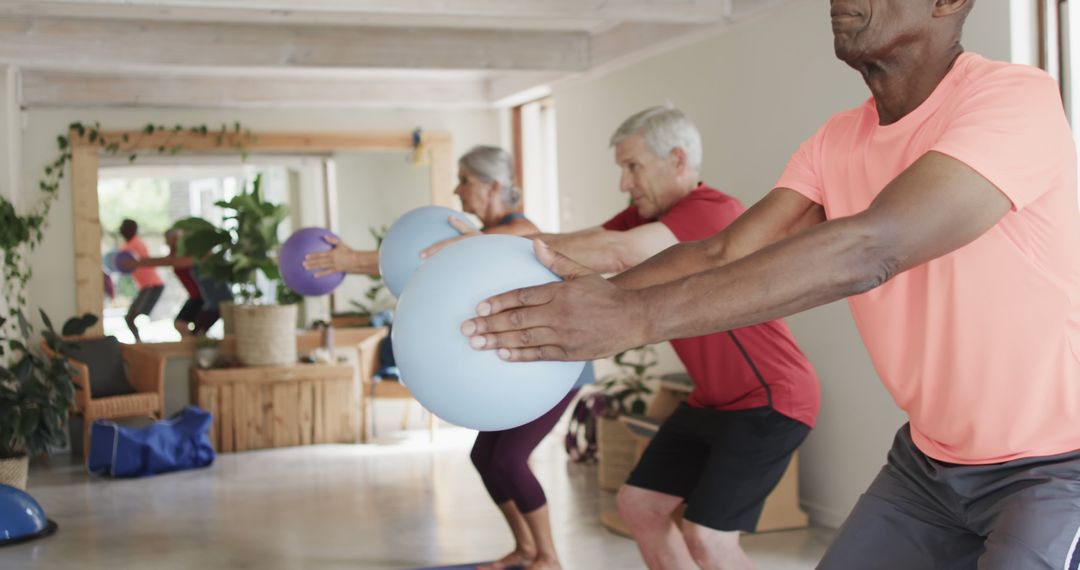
627,219
701,214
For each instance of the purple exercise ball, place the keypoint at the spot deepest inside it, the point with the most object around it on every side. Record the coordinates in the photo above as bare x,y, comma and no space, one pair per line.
291,262
125,261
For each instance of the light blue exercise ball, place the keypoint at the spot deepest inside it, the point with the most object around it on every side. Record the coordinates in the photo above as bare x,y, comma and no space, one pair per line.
399,255
468,387
109,261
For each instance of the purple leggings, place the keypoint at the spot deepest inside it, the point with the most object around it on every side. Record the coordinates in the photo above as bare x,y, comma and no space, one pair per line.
502,458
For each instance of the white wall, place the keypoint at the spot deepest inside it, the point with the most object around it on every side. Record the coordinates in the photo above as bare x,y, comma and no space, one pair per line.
373,189
9,147
9,132
53,284
755,92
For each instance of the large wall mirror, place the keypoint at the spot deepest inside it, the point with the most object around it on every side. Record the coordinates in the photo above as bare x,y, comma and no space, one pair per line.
353,184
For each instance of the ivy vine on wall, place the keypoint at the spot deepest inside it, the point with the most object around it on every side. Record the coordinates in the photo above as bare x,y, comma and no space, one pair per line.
21,233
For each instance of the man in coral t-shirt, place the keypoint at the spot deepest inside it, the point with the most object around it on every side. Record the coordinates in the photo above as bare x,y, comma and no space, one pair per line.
945,209
146,278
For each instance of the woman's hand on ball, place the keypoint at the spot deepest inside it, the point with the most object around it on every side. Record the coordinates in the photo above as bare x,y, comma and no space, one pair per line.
335,260
458,224
581,318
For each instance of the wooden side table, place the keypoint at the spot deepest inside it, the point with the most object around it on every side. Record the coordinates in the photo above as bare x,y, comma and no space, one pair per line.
278,406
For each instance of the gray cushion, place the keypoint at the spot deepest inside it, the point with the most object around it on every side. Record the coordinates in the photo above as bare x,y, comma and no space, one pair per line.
108,373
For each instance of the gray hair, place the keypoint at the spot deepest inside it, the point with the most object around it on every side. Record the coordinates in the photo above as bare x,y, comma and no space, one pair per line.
493,164
664,129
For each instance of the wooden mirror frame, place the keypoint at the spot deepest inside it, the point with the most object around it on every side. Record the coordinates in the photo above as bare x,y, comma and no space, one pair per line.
85,155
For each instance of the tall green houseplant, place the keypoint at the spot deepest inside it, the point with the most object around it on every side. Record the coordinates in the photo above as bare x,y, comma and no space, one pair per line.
236,253
37,389
245,244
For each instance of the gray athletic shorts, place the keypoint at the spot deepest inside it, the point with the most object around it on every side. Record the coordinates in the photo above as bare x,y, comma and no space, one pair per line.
920,513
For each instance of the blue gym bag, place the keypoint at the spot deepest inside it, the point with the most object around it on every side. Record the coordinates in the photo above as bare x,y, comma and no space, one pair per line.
179,442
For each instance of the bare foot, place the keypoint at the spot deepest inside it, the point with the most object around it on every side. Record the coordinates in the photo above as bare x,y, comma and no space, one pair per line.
517,558
543,562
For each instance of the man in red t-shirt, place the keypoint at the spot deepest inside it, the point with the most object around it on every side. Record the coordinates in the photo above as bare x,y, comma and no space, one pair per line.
755,395
187,319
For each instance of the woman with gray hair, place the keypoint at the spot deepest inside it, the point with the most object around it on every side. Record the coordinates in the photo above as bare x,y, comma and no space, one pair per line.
486,189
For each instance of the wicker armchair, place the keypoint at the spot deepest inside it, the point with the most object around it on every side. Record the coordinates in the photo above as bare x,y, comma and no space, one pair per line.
146,373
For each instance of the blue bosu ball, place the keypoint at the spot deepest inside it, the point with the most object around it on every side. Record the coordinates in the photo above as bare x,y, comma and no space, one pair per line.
21,517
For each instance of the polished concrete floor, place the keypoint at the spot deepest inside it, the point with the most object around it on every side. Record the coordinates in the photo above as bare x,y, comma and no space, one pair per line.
403,502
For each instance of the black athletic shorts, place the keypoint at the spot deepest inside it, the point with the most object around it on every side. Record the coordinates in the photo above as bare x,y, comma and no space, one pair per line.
190,310
205,319
722,463
144,302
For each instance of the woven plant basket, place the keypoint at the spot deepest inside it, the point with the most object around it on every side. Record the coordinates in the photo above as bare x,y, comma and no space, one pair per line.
14,471
615,447
265,334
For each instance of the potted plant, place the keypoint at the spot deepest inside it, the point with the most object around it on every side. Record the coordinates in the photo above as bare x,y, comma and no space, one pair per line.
236,254
624,393
36,394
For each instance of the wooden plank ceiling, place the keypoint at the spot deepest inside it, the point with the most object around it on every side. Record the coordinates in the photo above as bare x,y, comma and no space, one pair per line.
288,53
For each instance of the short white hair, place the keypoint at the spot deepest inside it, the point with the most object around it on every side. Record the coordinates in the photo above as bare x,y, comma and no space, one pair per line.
493,164
664,129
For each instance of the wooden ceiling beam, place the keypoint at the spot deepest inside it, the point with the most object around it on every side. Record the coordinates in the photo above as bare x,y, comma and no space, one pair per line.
60,89
118,45
329,11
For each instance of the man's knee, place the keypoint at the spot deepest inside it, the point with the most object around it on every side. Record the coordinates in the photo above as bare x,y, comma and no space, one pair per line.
641,508
711,548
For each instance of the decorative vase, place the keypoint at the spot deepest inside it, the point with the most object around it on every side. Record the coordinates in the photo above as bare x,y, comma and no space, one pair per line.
265,334
14,471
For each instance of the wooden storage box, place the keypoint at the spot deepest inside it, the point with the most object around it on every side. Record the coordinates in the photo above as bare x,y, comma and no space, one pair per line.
279,406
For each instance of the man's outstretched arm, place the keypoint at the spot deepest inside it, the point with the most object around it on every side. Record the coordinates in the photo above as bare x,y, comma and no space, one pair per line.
779,214
603,251
609,251
934,207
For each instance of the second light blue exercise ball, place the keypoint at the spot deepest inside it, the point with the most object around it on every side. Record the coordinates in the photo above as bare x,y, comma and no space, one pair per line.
109,261
418,229
468,387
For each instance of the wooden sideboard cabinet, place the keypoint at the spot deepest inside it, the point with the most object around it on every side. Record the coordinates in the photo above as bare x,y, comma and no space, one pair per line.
279,406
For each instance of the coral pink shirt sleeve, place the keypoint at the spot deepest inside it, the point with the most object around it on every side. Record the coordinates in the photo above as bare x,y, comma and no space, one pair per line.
1025,112
801,173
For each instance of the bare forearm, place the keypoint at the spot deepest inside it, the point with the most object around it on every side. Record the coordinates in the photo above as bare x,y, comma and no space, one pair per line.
365,262
673,263
592,249
823,264
168,261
